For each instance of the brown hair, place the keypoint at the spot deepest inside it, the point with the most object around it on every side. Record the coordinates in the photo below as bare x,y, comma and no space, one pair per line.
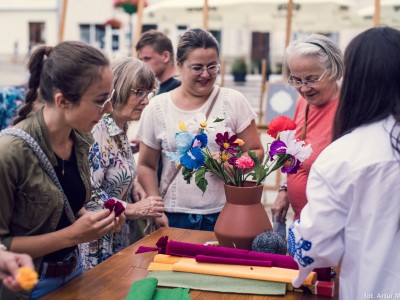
156,39
194,39
70,67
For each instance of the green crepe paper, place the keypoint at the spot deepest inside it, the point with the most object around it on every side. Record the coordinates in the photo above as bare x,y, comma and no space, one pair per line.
145,289
217,283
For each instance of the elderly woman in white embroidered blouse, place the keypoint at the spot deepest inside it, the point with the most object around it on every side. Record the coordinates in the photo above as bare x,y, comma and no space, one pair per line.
113,168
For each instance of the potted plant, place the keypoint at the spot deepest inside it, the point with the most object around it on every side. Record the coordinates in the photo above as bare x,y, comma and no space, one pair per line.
239,70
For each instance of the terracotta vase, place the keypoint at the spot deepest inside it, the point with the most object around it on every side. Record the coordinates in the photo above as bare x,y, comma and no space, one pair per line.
242,218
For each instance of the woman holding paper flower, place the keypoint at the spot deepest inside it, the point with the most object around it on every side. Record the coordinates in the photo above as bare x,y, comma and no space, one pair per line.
353,214
314,66
185,205
112,165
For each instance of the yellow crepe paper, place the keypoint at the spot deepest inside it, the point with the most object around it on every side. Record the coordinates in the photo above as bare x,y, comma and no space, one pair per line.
183,264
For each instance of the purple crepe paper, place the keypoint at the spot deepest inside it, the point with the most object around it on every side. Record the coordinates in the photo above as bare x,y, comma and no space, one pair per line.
192,250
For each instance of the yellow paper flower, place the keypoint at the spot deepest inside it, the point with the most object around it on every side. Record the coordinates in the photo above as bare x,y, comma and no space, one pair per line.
27,278
182,126
240,142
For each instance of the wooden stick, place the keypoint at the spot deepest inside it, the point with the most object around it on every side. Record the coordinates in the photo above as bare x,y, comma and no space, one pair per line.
62,21
263,77
289,22
138,32
205,15
377,15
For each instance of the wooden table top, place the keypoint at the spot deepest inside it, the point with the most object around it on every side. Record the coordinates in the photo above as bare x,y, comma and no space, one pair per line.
113,278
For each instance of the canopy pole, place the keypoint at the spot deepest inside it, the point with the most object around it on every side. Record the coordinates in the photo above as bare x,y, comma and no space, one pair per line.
377,15
62,20
289,22
138,31
205,15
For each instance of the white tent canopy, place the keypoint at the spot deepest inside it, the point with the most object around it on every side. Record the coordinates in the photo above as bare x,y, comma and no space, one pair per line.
257,15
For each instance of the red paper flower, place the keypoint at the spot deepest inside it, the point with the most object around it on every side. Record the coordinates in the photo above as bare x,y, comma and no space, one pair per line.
114,205
279,124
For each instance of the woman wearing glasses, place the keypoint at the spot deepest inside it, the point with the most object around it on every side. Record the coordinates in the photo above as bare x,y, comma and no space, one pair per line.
198,61
314,66
43,215
112,165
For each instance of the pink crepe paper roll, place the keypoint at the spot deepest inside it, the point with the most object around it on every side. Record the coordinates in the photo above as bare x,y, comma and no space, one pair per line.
191,250
232,261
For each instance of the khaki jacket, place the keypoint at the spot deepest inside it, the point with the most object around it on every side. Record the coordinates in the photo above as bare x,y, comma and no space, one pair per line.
30,203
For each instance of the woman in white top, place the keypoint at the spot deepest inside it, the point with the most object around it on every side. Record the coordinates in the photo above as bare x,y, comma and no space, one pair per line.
198,61
352,218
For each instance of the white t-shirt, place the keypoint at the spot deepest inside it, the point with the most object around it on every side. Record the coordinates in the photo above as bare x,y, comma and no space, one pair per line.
157,128
353,214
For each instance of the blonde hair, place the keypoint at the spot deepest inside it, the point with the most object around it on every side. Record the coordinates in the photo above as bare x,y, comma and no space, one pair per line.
130,73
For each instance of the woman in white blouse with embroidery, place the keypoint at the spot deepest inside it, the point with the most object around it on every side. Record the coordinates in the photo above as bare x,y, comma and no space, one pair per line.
113,168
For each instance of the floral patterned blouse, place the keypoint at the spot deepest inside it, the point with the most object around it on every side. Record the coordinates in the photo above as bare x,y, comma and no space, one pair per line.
113,170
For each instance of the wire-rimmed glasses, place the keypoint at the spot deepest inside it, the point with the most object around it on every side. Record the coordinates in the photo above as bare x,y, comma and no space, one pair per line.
199,69
141,94
307,83
103,106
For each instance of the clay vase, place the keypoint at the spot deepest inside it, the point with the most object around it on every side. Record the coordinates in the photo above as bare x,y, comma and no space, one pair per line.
242,218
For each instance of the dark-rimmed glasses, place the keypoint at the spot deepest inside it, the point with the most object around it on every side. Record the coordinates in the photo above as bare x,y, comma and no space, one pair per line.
103,106
199,69
307,83
141,94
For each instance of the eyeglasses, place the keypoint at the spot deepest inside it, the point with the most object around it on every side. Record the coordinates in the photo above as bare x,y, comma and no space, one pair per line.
141,94
199,69
103,106
308,83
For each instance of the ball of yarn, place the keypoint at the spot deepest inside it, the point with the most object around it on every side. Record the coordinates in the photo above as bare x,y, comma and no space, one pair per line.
270,242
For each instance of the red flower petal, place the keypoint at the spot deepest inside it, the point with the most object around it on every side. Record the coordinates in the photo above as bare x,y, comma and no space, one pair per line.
279,124
115,205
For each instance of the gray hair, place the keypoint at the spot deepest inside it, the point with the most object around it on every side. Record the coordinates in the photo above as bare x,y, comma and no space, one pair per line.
329,54
130,73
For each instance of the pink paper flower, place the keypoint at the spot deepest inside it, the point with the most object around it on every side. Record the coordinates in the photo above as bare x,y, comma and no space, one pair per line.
244,162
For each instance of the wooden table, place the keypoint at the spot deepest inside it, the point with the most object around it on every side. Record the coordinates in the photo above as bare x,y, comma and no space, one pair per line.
113,278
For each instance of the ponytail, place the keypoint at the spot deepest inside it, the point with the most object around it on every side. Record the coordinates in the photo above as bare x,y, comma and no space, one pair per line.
35,67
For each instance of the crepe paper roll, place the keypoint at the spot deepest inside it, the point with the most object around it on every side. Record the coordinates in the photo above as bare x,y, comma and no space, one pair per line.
184,264
27,278
191,250
232,261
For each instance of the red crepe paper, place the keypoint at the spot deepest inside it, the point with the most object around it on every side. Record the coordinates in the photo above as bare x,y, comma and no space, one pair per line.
114,205
192,250
232,261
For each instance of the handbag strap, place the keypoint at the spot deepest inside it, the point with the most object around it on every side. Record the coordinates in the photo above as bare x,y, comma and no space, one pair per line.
44,162
209,110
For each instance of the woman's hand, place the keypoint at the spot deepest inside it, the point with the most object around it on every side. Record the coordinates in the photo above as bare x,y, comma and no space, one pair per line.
138,191
152,206
9,267
161,221
119,222
280,207
93,225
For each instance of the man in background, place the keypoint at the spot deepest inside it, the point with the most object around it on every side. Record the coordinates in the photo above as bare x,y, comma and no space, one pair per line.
155,49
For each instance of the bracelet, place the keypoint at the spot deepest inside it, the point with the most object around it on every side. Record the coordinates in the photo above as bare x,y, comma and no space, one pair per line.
283,187
2,247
